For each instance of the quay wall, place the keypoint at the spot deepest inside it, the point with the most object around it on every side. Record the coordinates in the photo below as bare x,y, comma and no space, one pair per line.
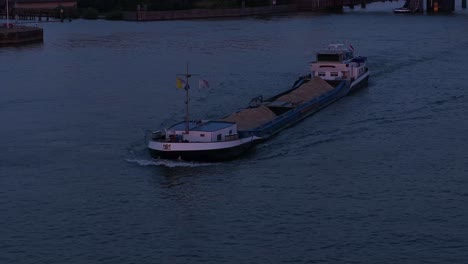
206,13
317,5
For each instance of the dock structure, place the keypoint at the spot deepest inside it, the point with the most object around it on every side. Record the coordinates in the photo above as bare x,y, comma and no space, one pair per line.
416,5
143,14
432,6
39,14
317,5
16,35
38,9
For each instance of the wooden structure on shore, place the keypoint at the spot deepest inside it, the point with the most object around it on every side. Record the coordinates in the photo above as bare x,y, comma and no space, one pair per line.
143,15
44,4
39,14
317,5
434,6
38,9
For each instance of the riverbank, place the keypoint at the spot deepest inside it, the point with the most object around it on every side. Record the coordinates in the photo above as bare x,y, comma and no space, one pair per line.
142,15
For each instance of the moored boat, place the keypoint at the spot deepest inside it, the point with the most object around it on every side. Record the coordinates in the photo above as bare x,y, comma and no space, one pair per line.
334,74
402,10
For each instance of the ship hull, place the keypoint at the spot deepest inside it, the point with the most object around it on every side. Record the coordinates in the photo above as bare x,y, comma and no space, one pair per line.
202,151
233,135
360,82
301,112
229,150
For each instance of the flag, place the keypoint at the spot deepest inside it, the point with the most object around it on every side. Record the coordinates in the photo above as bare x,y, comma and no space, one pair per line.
203,84
180,83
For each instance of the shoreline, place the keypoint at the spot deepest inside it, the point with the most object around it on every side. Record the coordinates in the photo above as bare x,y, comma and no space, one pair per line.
143,15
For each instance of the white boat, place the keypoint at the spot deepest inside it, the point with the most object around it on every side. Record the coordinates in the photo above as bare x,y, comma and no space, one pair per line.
334,74
402,10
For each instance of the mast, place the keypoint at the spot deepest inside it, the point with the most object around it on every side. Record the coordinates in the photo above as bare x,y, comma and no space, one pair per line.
187,87
187,76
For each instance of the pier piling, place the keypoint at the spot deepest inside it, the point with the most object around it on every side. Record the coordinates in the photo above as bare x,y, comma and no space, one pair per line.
463,4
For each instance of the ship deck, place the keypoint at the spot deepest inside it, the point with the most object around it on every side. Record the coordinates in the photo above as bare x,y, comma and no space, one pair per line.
254,117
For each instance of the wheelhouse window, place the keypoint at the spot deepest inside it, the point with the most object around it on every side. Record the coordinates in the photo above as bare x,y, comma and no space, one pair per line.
219,137
202,135
321,74
328,57
334,74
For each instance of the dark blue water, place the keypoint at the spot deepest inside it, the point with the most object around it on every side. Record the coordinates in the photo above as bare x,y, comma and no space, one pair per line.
378,177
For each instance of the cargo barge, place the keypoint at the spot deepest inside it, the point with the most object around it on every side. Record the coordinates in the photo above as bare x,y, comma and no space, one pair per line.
334,74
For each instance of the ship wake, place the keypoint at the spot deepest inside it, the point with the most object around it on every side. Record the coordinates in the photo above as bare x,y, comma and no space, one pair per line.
168,163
